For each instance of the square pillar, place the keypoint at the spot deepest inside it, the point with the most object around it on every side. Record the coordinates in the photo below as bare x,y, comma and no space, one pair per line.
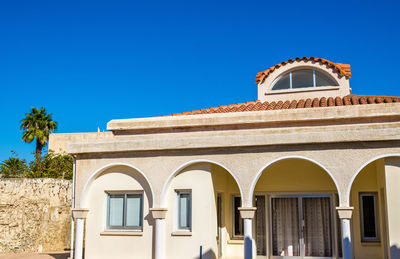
80,216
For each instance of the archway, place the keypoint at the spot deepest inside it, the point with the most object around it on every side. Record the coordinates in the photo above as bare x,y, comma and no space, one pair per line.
373,192
296,199
118,225
202,198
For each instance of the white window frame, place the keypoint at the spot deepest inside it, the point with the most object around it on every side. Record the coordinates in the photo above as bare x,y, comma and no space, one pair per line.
377,236
123,227
234,236
314,79
178,227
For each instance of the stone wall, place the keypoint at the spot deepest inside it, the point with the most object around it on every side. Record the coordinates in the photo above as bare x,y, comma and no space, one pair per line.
35,215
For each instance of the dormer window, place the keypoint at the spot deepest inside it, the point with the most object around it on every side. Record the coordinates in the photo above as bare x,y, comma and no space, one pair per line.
303,78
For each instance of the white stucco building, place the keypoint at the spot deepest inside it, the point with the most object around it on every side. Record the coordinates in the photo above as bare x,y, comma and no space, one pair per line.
306,171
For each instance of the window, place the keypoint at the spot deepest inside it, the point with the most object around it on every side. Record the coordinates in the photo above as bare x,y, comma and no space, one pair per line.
369,217
303,78
125,211
237,219
184,210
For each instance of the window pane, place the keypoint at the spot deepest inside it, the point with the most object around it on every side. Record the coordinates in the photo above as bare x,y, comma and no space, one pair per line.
238,220
116,210
134,210
324,80
283,83
184,210
302,78
368,208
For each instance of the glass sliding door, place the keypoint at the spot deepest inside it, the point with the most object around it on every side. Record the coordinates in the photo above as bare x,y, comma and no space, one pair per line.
317,227
301,226
260,226
285,227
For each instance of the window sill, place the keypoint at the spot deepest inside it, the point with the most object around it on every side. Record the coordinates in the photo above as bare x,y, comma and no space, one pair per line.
182,233
236,242
371,243
305,89
121,233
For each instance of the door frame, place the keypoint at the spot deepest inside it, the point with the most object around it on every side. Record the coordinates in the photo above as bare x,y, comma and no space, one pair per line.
334,227
265,194
220,222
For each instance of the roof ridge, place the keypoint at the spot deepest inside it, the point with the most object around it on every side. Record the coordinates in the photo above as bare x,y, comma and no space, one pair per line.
326,101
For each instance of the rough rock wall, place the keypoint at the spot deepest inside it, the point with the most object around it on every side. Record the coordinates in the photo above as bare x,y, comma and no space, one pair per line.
35,215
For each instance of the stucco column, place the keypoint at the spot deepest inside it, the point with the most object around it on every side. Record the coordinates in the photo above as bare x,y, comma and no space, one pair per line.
159,215
79,215
247,215
392,180
345,217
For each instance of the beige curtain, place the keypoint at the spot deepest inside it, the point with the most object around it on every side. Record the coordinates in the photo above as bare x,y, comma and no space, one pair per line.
285,227
317,227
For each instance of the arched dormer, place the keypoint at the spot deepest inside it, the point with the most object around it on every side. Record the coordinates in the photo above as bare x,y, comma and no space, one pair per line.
303,78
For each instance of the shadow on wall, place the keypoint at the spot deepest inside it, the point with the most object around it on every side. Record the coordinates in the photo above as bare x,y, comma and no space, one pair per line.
60,255
207,255
394,252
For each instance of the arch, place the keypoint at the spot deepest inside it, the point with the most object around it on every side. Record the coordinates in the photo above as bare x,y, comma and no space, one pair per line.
98,172
315,74
260,172
353,178
181,167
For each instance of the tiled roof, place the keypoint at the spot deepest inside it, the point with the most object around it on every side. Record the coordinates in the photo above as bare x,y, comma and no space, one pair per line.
342,69
296,104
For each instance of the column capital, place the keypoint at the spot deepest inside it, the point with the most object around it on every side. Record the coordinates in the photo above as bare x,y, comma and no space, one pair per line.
158,213
345,212
79,213
247,212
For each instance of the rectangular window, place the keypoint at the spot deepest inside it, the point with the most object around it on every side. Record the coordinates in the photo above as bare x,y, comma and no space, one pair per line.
184,210
369,217
238,231
125,211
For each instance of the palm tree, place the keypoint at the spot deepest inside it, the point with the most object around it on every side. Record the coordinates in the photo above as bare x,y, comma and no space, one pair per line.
13,167
37,125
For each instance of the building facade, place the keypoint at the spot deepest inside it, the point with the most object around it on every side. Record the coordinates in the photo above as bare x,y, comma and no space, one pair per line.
306,171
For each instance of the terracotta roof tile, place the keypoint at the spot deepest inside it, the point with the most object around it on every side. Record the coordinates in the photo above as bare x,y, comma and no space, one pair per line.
342,69
348,100
331,102
279,105
315,102
286,105
271,105
308,103
354,100
293,104
300,103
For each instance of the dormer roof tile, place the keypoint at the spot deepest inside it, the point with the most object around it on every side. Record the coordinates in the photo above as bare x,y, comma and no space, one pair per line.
341,69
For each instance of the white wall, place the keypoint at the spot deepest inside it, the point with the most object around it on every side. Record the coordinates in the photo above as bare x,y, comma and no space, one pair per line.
198,179
392,173
102,246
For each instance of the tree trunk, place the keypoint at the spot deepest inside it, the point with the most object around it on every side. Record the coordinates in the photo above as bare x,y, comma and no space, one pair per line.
38,151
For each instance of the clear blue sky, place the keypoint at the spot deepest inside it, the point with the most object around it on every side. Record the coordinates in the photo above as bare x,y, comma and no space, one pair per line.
88,62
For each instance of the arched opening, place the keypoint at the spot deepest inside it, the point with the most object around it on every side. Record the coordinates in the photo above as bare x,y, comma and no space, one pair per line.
202,198
295,217
374,193
303,77
118,224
